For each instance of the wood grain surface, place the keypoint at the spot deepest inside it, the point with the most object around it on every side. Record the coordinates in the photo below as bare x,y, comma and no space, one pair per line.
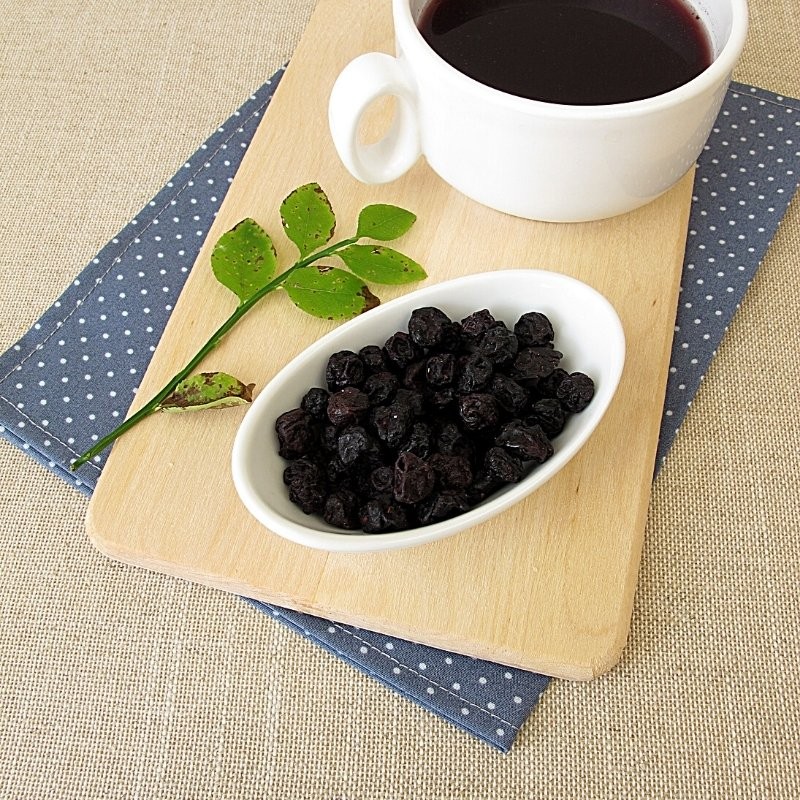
546,586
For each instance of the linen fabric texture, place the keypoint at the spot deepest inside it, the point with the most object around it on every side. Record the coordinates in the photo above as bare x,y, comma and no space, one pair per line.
71,377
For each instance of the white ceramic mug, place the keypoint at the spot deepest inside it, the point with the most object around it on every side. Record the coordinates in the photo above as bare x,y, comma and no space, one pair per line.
544,161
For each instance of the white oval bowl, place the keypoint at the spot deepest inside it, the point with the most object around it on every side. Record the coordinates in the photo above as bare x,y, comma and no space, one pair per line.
587,331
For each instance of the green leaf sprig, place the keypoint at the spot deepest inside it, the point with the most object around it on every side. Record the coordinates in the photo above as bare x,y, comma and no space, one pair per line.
245,261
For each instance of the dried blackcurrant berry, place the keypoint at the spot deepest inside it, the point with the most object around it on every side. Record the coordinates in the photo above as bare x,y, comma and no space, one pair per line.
478,411
414,375
477,324
474,373
370,517
509,394
533,330
302,468
451,441
337,473
371,458
341,509
380,480
502,464
344,368
347,406
485,484
373,359
548,387
392,423
400,351
308,495
575,392
498,344
380,388
442,505
534,363
427,326
395,515
420,441
451,340
353,441
381,515
413,400
328,437
297,433
440,369
315,402
453,472
413,479
441,398
549,415
527,443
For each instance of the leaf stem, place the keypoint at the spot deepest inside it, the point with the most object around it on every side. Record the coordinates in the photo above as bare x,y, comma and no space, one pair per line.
153,405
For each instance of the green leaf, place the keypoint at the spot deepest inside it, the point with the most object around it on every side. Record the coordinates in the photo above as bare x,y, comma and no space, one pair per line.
380,264
207,390
308,218
384,222
329,293
244,259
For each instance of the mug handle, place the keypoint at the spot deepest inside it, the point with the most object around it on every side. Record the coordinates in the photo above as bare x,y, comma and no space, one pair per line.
360,83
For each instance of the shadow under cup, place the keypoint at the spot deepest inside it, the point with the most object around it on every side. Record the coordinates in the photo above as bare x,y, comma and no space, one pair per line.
539,160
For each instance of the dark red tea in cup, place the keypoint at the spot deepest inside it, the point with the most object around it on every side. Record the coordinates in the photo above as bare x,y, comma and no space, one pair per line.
577,52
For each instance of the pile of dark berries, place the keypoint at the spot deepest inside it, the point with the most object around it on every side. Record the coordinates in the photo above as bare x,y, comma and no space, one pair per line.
431,423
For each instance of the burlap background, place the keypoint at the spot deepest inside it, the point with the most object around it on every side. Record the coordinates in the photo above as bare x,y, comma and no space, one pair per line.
117,683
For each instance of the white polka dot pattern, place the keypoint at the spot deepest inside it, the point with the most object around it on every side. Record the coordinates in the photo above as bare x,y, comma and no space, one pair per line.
746,178
489,701
72,376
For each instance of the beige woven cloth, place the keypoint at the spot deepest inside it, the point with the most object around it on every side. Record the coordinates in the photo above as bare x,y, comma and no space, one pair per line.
118,683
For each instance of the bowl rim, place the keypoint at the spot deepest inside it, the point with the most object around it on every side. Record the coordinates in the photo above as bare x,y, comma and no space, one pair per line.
358,541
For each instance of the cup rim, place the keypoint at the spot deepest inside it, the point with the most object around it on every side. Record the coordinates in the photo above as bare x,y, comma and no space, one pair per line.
716,73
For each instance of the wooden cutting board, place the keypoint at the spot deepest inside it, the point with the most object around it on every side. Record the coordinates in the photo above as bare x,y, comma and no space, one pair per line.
546,586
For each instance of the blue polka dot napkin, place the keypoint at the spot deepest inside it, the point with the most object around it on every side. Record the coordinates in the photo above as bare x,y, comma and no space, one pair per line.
72,376
746,178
